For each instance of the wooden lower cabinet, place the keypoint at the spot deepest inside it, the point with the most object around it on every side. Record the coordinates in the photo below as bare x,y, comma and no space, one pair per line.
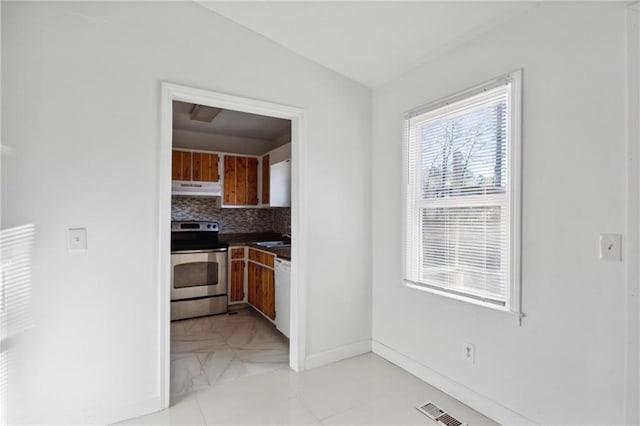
262,257
261,289
252,284
236,281
237,266
267,285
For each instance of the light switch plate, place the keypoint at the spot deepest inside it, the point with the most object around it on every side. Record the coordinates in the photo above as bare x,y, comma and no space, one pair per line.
77,239
611,247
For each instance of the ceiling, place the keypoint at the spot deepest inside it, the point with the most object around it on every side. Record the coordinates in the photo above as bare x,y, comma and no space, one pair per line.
371,42
229,131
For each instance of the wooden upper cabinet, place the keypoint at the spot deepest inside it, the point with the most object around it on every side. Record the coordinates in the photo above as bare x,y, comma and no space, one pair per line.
266,180
240,181
252,181
230,180
205,167
196,166
180,165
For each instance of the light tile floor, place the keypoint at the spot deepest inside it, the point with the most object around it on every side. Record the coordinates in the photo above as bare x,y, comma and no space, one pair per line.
220,348
364,390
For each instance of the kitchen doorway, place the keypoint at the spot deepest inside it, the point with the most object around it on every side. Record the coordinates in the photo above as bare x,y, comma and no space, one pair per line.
171,93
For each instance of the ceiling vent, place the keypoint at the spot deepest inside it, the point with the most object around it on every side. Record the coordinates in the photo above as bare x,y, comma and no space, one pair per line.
434,412
204,114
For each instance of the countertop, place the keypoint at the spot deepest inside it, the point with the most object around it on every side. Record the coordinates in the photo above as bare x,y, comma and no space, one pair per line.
248,239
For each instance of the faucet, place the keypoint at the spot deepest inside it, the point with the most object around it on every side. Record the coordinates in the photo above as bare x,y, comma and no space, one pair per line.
287,236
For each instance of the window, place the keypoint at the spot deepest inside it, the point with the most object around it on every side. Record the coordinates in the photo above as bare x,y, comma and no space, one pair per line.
462,221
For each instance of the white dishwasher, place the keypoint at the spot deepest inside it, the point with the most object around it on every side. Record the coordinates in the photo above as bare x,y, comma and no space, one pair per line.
283,295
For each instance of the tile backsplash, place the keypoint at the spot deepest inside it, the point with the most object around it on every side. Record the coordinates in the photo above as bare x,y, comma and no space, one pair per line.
232,220
281,219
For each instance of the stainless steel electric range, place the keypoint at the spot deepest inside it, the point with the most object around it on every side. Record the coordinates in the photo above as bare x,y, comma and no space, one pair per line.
198,270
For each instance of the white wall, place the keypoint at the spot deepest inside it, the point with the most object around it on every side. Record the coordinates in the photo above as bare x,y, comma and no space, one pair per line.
565,364
210,142
80,112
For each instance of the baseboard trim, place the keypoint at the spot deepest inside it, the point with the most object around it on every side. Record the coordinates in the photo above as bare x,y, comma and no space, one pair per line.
478,402
337,354
108,416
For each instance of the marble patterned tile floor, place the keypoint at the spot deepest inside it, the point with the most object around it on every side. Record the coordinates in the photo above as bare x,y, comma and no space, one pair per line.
364,390
220,348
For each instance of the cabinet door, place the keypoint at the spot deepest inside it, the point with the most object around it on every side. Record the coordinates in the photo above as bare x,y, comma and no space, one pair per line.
268,292
205,167
266,184
230,180
252,181
280,184
253,284
180,165
236,291
240,181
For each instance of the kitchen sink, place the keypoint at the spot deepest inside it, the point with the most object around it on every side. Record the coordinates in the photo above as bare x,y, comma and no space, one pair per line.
274,244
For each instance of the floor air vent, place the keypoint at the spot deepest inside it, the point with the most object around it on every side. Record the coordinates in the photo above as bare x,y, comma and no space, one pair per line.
433,411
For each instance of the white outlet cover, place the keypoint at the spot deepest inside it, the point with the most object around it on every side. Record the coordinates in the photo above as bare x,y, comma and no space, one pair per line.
611,247
77,239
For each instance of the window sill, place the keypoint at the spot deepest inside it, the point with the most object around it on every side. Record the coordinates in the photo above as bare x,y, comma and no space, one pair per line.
460,298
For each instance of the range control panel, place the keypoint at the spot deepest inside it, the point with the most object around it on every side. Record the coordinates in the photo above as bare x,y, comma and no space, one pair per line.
194,226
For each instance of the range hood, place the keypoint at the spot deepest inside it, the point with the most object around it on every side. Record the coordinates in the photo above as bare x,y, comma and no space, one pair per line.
196,189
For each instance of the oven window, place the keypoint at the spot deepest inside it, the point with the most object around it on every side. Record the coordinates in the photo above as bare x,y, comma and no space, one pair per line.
195,274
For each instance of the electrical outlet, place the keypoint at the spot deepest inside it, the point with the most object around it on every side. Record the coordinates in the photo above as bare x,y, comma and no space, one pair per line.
469,352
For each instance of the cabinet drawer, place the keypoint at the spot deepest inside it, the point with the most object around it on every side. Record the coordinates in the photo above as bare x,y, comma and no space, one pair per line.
262,257
237,253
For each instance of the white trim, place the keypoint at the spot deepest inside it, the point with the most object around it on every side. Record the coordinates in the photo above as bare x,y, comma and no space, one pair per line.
164,245
338,354
467,297
632,240
468,93
220,153
512,205
478,402
171,92
515,195
299,208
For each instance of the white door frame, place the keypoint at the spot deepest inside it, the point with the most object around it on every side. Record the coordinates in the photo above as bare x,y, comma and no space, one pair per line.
632,237
173,92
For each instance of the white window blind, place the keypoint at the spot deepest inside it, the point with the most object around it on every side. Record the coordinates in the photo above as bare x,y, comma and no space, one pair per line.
461,225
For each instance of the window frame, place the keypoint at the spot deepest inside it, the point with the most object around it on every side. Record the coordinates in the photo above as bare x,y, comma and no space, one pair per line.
513,191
